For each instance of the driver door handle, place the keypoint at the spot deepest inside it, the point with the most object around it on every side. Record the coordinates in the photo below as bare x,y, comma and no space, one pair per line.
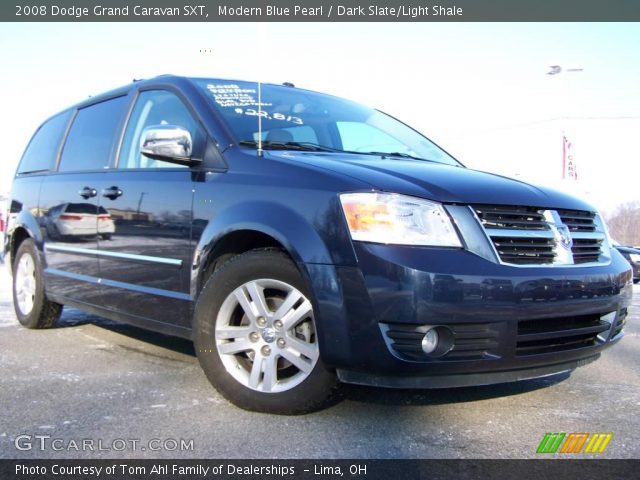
112,192
88,192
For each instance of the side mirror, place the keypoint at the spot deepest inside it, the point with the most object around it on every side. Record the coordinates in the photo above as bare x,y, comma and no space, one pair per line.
168,143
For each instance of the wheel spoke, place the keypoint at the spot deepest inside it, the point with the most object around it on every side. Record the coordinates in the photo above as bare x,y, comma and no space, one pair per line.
245,303
270,379
256,371
295,316
307,349
21,299
299,362
257,296
229,332
232,348
25,284
288,304
23,271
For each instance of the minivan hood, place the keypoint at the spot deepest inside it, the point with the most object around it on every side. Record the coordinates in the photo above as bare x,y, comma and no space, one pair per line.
435,181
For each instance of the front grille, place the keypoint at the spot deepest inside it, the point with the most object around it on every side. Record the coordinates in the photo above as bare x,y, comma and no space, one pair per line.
586,250
525,250
471,341
559,334
511,218
531,235
578,220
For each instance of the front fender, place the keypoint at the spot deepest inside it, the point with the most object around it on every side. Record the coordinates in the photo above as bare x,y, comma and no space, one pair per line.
283,224
299,236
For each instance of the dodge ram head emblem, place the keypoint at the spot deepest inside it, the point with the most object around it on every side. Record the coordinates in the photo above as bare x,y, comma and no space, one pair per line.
564,242
564,235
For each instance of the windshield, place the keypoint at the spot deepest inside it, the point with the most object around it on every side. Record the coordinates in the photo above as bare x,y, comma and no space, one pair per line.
302,120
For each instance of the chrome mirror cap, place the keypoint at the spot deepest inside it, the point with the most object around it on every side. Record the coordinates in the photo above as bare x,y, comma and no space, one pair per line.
166,142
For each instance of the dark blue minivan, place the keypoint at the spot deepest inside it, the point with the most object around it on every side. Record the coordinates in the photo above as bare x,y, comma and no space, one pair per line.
302,240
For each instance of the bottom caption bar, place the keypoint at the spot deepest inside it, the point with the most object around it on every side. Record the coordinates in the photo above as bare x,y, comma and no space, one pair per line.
116,469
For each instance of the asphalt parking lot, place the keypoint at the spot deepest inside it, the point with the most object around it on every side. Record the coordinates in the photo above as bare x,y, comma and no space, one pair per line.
129,392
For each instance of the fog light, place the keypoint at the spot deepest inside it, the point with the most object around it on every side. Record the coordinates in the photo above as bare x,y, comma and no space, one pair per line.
430,341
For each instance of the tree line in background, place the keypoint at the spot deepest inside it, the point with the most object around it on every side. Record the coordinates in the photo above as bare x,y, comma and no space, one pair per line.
624,224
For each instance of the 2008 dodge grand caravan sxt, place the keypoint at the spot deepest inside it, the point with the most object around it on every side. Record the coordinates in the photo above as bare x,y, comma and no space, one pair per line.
300,240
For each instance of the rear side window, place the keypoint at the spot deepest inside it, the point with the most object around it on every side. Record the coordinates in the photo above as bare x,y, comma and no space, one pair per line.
92,135
41,153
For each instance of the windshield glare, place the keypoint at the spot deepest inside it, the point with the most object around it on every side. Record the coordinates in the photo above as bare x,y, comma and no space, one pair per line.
303,117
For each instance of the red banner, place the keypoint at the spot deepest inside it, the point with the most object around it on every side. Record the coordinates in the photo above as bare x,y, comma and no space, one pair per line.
569,170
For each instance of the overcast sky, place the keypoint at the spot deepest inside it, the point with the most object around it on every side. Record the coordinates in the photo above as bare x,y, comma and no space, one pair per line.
480,90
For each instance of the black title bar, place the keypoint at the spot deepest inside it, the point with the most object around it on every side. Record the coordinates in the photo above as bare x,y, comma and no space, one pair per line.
320,11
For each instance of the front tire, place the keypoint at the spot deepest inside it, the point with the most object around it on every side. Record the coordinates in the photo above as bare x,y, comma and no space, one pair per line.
255,336
30,303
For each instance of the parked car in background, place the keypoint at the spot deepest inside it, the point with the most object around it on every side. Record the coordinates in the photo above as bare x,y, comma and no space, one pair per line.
632,254
77,220
302,240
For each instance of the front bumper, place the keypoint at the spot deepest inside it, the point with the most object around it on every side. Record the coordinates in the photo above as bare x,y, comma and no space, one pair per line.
461,379
509,323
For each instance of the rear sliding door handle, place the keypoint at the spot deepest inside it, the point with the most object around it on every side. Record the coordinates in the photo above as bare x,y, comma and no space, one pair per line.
88,192
112,192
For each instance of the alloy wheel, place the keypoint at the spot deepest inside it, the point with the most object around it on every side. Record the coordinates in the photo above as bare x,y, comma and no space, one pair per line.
265,336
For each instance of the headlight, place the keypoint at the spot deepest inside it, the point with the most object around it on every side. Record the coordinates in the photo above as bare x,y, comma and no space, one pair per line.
398,219
635,257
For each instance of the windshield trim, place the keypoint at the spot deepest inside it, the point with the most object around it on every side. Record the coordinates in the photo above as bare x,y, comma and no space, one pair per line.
460,164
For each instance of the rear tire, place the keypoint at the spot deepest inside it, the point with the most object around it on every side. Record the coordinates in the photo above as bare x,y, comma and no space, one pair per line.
30,303
255,336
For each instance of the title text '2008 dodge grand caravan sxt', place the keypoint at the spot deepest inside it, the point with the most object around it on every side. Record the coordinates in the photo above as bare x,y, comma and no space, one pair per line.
300,240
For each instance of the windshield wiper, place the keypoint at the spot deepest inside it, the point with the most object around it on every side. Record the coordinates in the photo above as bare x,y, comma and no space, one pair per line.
395,154
314,147
306,146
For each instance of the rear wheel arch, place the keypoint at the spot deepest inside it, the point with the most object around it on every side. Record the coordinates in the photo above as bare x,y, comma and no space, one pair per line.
18,236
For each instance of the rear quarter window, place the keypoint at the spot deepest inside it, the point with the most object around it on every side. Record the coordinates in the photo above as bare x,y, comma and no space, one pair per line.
42,151
92,135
